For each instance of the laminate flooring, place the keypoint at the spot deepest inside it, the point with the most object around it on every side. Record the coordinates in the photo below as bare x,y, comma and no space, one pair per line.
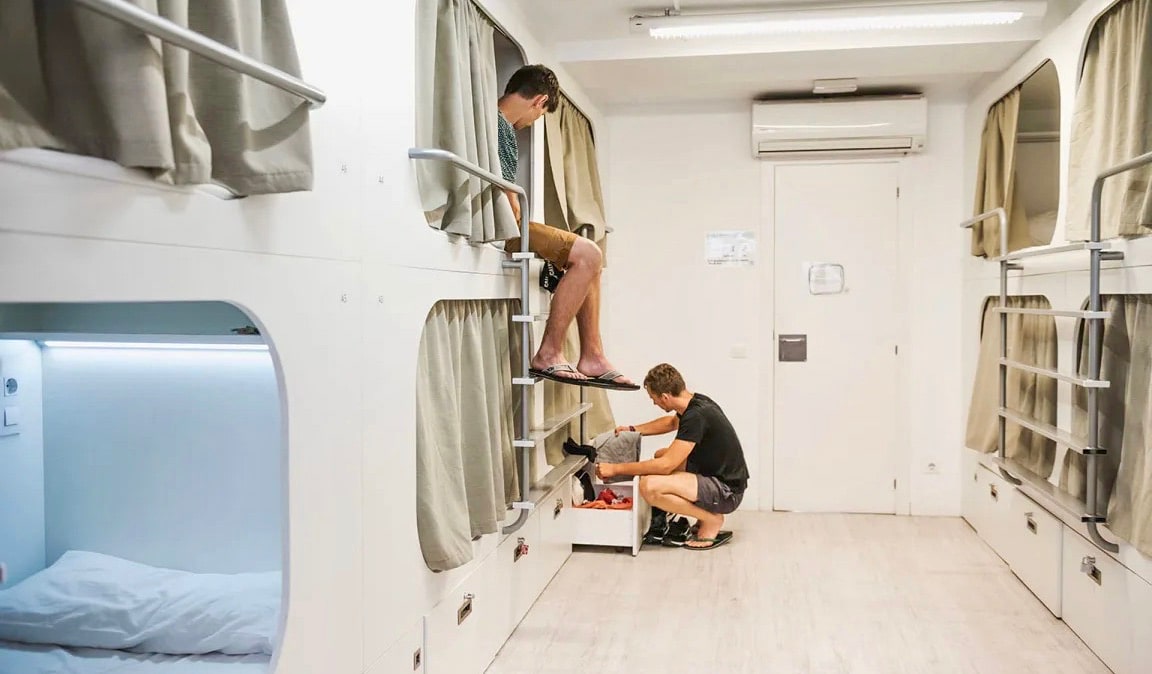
797,594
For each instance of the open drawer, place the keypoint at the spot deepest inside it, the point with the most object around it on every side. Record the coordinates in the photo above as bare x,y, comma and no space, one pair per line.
618,528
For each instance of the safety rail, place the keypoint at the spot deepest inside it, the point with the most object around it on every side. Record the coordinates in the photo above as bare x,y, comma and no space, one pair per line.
1088,510
179,36
526,437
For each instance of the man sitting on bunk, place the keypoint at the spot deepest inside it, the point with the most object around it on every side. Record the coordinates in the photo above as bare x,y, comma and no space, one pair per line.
530,92
702,474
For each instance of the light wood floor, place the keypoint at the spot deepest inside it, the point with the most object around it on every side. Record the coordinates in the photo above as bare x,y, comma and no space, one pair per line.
797,594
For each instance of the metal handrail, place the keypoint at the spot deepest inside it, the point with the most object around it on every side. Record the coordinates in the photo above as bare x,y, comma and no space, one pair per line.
1096,340
524,505
1001,214
179,36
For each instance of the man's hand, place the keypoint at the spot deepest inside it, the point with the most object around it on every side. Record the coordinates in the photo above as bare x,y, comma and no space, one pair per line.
605,470
621,429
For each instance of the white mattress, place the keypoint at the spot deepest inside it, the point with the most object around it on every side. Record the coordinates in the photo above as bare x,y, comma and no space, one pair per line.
32,659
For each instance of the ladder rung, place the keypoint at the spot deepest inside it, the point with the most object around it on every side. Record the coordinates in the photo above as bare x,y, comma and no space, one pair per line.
1044,372
529,318
1086,315
527,444
553,424
1051,432
525,381
1052,250
524,255
523,505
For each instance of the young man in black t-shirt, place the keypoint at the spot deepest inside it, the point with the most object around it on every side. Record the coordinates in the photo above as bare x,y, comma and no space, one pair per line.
702,474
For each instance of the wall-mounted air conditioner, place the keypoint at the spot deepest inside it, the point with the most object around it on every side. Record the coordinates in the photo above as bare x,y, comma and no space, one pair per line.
792,129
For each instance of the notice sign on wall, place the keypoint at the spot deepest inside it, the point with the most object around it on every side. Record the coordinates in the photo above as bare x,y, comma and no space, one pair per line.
730,249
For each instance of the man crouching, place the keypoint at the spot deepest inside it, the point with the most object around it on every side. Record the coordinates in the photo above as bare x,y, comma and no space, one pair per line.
702,474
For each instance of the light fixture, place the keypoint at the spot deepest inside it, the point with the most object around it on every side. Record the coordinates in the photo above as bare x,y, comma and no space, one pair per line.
888,17
64,344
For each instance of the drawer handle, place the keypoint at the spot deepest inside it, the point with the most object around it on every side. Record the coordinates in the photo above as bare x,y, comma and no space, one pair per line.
1030,523
521,550
465,609
559,507
417,659
995,494
1088,566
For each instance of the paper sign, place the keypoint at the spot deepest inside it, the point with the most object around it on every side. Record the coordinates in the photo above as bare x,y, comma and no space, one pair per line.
730,249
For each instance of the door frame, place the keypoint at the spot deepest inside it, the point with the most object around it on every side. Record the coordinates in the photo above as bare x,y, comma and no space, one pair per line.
904,243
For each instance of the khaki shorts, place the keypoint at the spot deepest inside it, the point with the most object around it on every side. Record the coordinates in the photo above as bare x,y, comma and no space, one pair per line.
549,243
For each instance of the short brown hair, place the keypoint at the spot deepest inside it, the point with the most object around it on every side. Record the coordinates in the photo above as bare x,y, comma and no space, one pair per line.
664,379
531,81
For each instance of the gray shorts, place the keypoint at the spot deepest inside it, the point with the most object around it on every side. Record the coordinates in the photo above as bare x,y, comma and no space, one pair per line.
715,496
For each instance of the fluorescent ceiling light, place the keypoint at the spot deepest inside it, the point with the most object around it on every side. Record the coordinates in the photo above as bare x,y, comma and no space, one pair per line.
62,344
936,15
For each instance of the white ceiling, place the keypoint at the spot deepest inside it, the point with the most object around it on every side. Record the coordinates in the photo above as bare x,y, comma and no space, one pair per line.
622,70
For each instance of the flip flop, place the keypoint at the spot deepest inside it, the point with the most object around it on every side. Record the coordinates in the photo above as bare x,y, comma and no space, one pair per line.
549,373
721,538
608,380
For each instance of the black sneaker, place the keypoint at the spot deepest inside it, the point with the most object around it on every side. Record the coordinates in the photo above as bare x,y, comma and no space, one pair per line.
658,528
677,534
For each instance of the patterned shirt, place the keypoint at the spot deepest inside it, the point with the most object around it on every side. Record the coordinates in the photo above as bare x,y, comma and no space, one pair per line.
508,149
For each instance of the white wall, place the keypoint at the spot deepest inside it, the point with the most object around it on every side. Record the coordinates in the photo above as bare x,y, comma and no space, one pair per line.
166,457
22,465
677,174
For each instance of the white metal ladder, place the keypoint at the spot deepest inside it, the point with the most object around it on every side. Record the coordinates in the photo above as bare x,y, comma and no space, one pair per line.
526,438
1088,510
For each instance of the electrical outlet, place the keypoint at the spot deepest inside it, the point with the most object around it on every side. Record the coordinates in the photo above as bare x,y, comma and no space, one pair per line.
931,468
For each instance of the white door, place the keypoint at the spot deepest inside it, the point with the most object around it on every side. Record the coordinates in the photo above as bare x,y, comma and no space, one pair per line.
836,287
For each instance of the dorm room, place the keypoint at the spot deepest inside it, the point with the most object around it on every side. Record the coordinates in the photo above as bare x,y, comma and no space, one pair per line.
266,341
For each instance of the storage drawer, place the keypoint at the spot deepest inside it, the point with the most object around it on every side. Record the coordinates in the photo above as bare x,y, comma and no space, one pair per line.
406,655
606,527
974,492
452,631
1038,542
996,496
1096,602
555,536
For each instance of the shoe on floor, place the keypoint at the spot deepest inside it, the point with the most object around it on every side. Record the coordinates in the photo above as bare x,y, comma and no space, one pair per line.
677,533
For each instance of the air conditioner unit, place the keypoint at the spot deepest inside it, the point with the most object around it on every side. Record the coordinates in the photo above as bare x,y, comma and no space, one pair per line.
839,127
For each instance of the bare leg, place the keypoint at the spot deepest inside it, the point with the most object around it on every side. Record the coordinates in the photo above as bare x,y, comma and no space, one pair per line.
592,359
584,262
677,493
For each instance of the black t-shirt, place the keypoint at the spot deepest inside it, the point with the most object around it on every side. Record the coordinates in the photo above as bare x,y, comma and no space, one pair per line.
718,452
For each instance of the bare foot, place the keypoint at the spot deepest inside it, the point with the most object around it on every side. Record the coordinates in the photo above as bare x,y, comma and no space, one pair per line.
594,367
709,529
564,370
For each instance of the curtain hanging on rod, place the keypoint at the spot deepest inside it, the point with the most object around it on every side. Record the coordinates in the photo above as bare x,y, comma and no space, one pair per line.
996,180
1031,340
456,107
1112,123
465,466
1124,480
80,82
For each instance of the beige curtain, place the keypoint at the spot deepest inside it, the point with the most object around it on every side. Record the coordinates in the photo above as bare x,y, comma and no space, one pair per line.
1031,340
73,80
572,193
456,99
1124,481
562,398
1113,123
465,464
996,180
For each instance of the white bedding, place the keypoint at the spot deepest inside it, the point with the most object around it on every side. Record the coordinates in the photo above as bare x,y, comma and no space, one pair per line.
18,658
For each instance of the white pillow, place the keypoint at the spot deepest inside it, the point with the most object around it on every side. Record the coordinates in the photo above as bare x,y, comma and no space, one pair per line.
90,600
